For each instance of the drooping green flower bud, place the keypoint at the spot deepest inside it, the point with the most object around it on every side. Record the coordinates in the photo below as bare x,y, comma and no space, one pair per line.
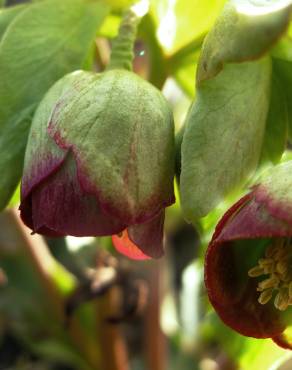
100,161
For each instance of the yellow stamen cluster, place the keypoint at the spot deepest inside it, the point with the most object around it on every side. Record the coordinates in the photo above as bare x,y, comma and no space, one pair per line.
277,265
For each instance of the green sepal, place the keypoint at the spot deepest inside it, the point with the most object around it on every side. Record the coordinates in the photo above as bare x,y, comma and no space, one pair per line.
245,31
223,136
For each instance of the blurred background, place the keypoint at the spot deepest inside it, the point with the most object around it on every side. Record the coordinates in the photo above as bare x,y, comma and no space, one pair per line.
75,304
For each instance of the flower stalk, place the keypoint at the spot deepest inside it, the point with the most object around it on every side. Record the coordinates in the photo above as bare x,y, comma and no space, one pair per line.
123,45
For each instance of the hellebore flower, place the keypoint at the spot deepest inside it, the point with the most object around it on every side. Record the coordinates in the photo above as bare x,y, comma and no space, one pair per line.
100,161
248,266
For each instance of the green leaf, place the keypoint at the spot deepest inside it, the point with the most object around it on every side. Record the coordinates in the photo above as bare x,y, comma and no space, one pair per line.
261,354
12,145
119,4
248,353
185,78
223,136
110,26
283,48
245,31
276,132
7,15
175,17
46,41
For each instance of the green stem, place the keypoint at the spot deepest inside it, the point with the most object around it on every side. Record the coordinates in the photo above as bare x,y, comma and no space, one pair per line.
158,68
122,49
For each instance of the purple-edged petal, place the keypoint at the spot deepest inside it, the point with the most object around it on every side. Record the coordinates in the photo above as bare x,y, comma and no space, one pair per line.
284,340
143,240
43,157
275,191
38,173
125,246
251,221
60,205
149,236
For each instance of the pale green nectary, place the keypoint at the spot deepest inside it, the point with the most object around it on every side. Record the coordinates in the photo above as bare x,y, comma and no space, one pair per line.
223,136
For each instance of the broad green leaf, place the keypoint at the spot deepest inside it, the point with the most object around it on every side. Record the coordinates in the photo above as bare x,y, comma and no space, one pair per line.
247,353
245,31
12,143
283,48
260,354
7,15
223,136
185,76
276,132
15,199
47,40
181,21
182,65
119,4
110,26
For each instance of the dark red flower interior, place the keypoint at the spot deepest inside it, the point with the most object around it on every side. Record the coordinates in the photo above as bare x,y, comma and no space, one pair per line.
240,239
233,293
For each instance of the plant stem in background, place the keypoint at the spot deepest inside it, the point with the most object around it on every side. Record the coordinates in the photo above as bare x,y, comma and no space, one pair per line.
123,45
49,271
155,341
